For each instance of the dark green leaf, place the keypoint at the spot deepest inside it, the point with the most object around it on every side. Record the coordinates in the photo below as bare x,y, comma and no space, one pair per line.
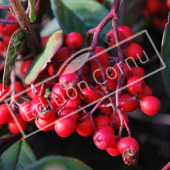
40,62
17,157
79,15
13,49
165,56
57,162
32,11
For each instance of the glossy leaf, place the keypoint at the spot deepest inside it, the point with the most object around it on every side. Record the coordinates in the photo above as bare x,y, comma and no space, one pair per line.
32,11
12,52
17,157
57,163
165,56
53,44
80,15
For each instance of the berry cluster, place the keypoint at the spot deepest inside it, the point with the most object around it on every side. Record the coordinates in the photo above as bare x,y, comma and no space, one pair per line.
73,91
6,31
157,11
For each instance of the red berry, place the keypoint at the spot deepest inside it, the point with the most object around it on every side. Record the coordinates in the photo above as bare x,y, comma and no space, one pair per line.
106,111
45,125
44,40
128,143
85,127
111,85
74,100
25,66
59,93
129,148
31,94
25,112
9,29
69,112
90,95
134,51
134,85
103,57
138,71
115,71
102,120
39,106
110,39
6,40
150,105
14,127
18,88
4,92
5,115
74,38
51,69
117,122
147,92
1,47
68,80
168,3
127,31
65,127
104,138
113,150
96,72
54,102
128,106
153,6
63,54
47,114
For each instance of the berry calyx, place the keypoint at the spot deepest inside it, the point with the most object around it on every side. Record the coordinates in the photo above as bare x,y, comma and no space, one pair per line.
150,105
13,126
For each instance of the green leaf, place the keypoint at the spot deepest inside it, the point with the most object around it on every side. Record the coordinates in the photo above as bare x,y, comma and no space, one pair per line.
165,56
53,44
80,15
12,52
32,11
58,162
51,27
47,92
17,157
